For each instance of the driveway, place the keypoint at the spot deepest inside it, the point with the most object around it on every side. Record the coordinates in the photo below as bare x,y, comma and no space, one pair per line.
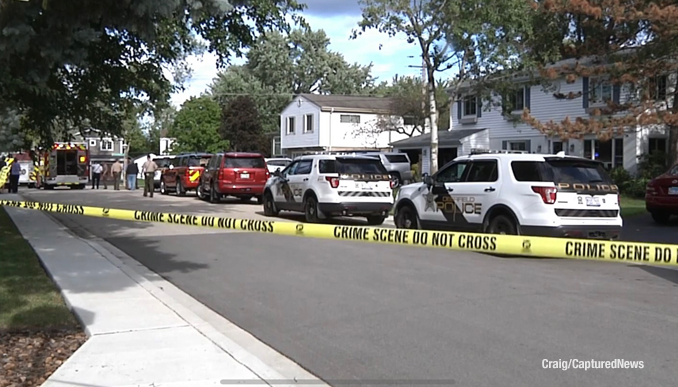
360,314
642,228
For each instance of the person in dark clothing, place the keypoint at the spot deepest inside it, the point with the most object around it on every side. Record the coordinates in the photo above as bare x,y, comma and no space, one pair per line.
14,174
131,172
3,163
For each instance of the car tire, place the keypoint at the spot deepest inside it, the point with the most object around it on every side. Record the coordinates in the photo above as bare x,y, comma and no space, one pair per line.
163,188
375,220
180,188
214,197
199,192
311,209
407,218
269,205
502,225
661,217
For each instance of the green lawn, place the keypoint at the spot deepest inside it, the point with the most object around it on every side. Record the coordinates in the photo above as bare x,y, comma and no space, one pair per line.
28,298
632,207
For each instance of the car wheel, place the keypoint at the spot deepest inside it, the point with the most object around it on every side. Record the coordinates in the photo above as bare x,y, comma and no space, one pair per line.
200,192
407,218
269,205
213,194
503,225
661,217
180,189
375,220
311,209
163,188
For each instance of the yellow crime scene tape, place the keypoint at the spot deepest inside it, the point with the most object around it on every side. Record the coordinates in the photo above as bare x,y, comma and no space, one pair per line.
4,172
539,247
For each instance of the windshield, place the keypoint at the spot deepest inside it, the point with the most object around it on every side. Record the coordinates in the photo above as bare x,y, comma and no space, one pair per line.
279,163
245,162
359,166
198,162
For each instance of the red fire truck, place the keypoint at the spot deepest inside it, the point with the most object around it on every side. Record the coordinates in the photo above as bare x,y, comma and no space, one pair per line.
65,164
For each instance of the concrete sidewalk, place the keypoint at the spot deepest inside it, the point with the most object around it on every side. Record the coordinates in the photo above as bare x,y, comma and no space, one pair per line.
139,336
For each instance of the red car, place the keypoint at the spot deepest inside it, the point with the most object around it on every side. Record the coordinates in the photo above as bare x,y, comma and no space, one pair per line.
242,175
661,196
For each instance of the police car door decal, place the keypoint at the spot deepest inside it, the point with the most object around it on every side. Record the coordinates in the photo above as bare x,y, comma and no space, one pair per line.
440,205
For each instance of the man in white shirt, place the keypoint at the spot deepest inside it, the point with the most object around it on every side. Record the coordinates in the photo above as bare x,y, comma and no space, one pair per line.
96,174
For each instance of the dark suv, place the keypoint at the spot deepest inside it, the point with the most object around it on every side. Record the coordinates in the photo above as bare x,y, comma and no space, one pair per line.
237,174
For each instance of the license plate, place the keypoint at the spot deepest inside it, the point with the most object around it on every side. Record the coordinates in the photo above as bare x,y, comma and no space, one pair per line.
593,202
244,175
673,191
364,186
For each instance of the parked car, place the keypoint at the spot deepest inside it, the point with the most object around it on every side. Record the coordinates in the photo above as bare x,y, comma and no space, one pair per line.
398,165
661,196
241,175
163,163
184,174
277,162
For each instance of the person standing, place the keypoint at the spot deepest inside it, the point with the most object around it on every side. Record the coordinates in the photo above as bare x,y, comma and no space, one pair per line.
116,170
132,172
148,170
14,174
96,174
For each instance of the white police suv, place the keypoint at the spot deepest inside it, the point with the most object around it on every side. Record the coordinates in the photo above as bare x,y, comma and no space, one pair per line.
501,192
327,185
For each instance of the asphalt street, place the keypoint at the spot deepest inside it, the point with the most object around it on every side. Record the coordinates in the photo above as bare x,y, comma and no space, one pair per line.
363,314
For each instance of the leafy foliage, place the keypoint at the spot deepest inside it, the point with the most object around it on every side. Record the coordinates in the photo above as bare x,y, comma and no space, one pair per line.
476,37
241,126
628,44
196,126
82,63
279,66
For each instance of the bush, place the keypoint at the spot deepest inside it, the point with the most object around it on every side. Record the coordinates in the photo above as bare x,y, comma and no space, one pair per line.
649,167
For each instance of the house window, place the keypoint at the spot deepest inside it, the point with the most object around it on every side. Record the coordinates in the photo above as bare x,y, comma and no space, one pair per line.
517,100
349,119
308,123
106,145
470,106
600,92
610,153
658,88
517,145
657,145
290,125
409,121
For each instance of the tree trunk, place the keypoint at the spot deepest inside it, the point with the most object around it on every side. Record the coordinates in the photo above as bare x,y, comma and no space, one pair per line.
673,130
433,120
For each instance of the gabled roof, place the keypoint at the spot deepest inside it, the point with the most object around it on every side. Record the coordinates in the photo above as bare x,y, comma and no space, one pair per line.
445,138
350,103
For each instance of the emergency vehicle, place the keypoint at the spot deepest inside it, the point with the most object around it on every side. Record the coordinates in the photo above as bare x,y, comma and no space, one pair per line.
64,164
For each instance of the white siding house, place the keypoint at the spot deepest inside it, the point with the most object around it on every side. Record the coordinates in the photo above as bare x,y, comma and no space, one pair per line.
563,100
334,123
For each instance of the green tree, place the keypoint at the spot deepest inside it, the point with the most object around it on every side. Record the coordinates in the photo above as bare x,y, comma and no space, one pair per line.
85,62
472,36
196,126
241,127
279,66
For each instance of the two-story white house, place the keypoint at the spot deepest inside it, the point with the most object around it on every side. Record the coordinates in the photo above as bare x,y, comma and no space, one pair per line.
577,98
313,122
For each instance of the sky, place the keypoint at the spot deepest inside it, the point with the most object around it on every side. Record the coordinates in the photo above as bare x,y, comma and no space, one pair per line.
337,19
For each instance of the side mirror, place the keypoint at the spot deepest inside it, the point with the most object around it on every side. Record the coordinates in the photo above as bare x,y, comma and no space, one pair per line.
426,178
277,173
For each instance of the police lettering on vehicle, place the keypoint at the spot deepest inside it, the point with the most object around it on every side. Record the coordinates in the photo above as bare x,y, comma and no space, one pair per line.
598,188
365,177
297,192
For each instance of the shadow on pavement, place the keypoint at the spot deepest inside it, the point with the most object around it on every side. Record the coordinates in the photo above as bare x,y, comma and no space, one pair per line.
670,275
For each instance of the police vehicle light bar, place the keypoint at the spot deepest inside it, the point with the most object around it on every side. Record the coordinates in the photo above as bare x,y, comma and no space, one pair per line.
479,151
